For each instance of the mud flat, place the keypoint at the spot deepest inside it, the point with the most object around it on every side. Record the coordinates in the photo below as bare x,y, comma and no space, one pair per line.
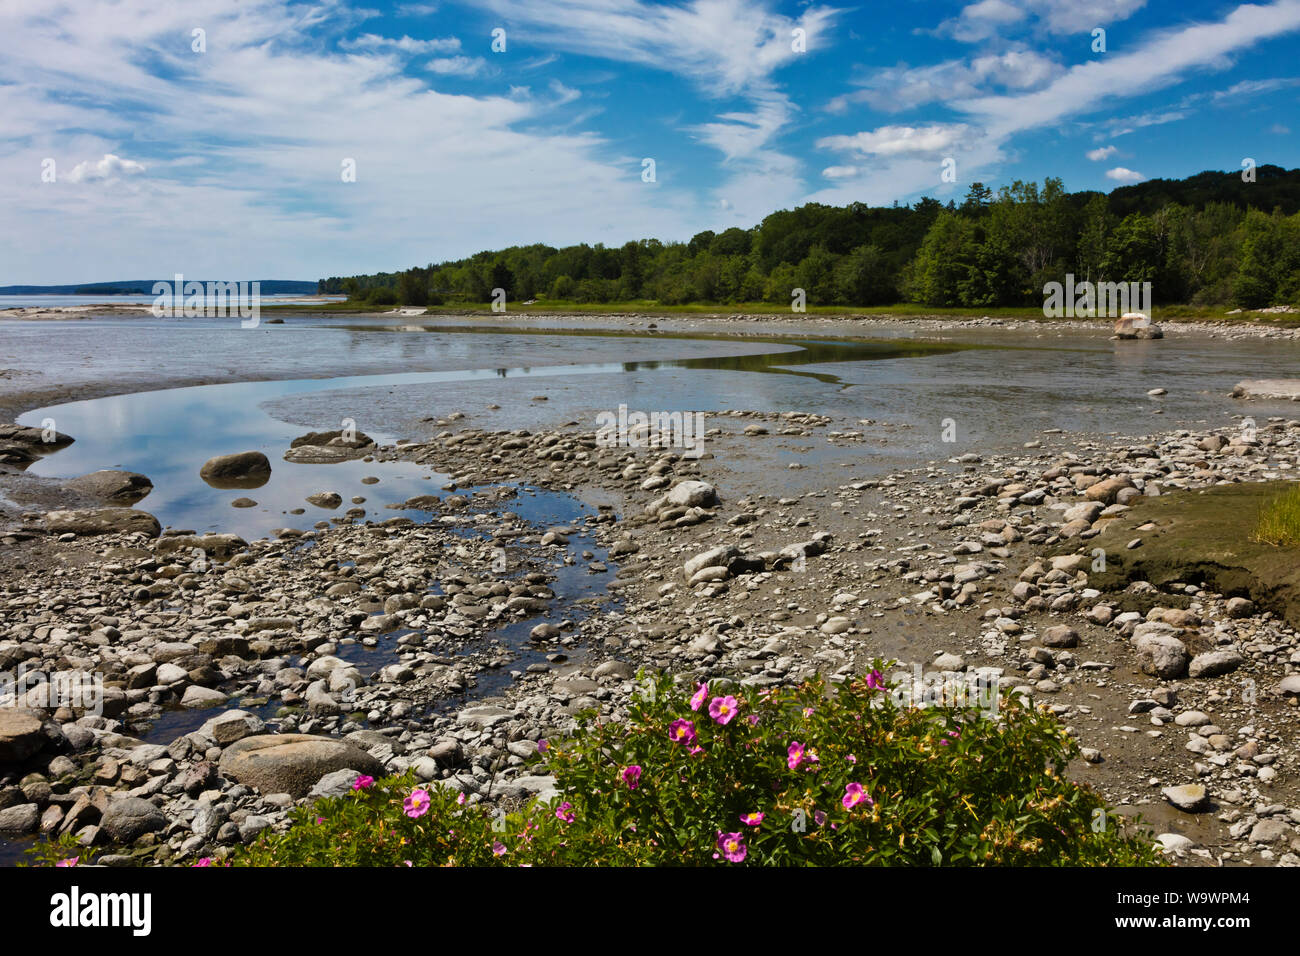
780,552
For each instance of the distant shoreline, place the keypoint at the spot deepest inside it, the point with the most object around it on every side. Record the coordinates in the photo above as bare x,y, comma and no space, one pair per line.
1278,317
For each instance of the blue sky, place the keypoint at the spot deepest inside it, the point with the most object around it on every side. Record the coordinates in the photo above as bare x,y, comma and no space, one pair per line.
226,161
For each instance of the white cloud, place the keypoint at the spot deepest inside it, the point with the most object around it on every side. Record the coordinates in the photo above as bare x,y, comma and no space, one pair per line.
1239,91
900,140
1099,84
892,90
1081,16
725,46
236,138
744,135
457,65
109,168
722,47
1105,152
990,18
1122,175
983,19
1150,62
563,94
405,44
840,172
1128,124
1278,129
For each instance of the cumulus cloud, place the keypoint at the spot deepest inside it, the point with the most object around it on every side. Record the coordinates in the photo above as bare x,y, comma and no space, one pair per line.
840,172
1104,152
990,18
900,88
900,140
109,168
1122,175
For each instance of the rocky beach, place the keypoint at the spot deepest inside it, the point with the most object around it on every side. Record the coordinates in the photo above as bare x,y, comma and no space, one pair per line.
175,690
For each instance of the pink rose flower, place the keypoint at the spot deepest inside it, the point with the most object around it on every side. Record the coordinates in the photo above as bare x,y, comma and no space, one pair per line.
732,846
723,709
417,804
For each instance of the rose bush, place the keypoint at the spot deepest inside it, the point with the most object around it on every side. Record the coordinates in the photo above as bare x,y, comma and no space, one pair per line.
811,775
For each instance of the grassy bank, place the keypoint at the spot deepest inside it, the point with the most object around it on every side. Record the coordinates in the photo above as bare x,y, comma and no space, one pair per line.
1171,313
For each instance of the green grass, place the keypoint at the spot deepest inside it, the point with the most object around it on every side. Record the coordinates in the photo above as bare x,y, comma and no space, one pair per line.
1279,520
902,310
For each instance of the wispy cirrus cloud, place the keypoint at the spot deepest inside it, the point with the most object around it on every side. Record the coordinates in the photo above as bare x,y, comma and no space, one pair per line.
992,122
724,48
457,65
1161,61
1248,88
254,134
459,148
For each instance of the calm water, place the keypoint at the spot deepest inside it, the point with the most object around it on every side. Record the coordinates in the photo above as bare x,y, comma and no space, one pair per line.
168,434
999,388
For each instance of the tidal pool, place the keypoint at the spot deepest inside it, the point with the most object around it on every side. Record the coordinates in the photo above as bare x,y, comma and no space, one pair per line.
168,434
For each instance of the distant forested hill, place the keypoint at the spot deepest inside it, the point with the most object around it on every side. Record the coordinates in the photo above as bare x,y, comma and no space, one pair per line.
145,287
1210,239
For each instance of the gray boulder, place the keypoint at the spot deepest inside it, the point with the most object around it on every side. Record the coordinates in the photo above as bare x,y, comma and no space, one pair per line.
692,494
20,820
292,763
334,784
113,486
231,726
245,469
1214,663
219,546
1160,653
20,734
129,818
94,521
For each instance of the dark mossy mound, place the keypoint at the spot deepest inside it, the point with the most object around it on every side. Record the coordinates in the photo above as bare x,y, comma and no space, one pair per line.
1203,537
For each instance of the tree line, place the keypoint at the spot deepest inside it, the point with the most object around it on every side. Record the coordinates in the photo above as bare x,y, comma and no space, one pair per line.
1211,239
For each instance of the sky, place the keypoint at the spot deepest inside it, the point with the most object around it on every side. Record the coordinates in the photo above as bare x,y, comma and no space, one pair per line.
242,139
